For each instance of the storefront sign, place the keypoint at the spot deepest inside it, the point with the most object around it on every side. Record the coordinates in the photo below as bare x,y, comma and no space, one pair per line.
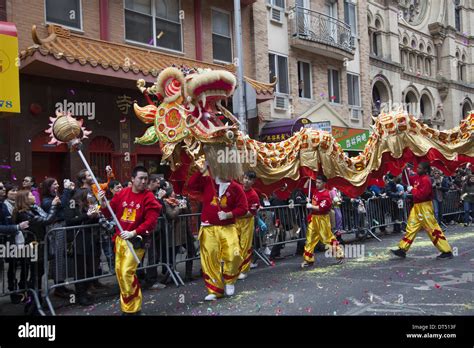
351,139
9,69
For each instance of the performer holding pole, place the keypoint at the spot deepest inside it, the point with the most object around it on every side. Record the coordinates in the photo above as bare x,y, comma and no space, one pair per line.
139,211
422,216
138,208
320,226
223,200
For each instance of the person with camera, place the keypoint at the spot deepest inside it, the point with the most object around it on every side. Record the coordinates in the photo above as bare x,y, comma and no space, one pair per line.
137,210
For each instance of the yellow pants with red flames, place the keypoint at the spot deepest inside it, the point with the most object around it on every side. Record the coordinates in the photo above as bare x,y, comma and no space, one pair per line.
219,244
422,216
125,268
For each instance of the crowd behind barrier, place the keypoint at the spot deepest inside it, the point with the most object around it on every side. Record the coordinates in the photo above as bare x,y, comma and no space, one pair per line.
175,243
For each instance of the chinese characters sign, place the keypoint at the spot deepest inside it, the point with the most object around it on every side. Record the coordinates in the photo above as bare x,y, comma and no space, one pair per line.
351,139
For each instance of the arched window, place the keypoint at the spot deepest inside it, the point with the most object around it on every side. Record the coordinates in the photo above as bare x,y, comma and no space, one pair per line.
466,108
426,107
419,64
428,66
380,95
411,103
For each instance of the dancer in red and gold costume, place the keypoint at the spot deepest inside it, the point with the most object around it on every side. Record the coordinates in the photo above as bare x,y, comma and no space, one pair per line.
422,216
245,224
223,201
319,229
137,210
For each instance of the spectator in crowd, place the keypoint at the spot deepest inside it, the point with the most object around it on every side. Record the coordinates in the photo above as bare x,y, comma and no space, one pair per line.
467,196
9,203
391,191
57,241
126,184
175,205
86,182
440,187
13,234
26,209
84,212
281,222
114,187
3,193
298,197
154,183
30,185
336,205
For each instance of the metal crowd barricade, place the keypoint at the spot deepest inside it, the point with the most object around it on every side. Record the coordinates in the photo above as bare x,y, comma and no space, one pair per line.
384,212
184,242
353,221
21,267
84,248
451,204
286,224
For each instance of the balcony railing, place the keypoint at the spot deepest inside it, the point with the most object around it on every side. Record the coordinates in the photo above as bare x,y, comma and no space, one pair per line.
317,27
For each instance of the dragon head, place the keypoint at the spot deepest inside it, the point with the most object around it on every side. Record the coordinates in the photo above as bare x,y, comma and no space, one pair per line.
207,118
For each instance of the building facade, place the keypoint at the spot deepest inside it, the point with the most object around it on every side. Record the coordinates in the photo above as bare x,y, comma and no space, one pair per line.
319,52
421,57
89,54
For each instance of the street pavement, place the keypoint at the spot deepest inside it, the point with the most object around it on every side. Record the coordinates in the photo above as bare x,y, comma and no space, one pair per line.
370,282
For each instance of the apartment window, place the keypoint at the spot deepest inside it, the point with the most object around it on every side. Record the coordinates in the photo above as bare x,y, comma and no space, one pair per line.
353,90
154,22
333,86
350,16
64,12
221,36
277,3
304,80
377,44
279,68
457,18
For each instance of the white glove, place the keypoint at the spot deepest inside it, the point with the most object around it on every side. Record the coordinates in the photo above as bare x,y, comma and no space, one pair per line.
309,206
19,238
409,188
223,215
128,235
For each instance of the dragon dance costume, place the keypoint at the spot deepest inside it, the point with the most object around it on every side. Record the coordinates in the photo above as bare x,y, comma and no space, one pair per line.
219,239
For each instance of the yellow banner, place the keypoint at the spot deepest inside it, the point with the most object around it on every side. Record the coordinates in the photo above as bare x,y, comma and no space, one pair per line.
9,74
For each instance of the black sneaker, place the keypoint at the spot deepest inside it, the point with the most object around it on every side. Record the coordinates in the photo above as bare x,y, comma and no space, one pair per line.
400,253
448,255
